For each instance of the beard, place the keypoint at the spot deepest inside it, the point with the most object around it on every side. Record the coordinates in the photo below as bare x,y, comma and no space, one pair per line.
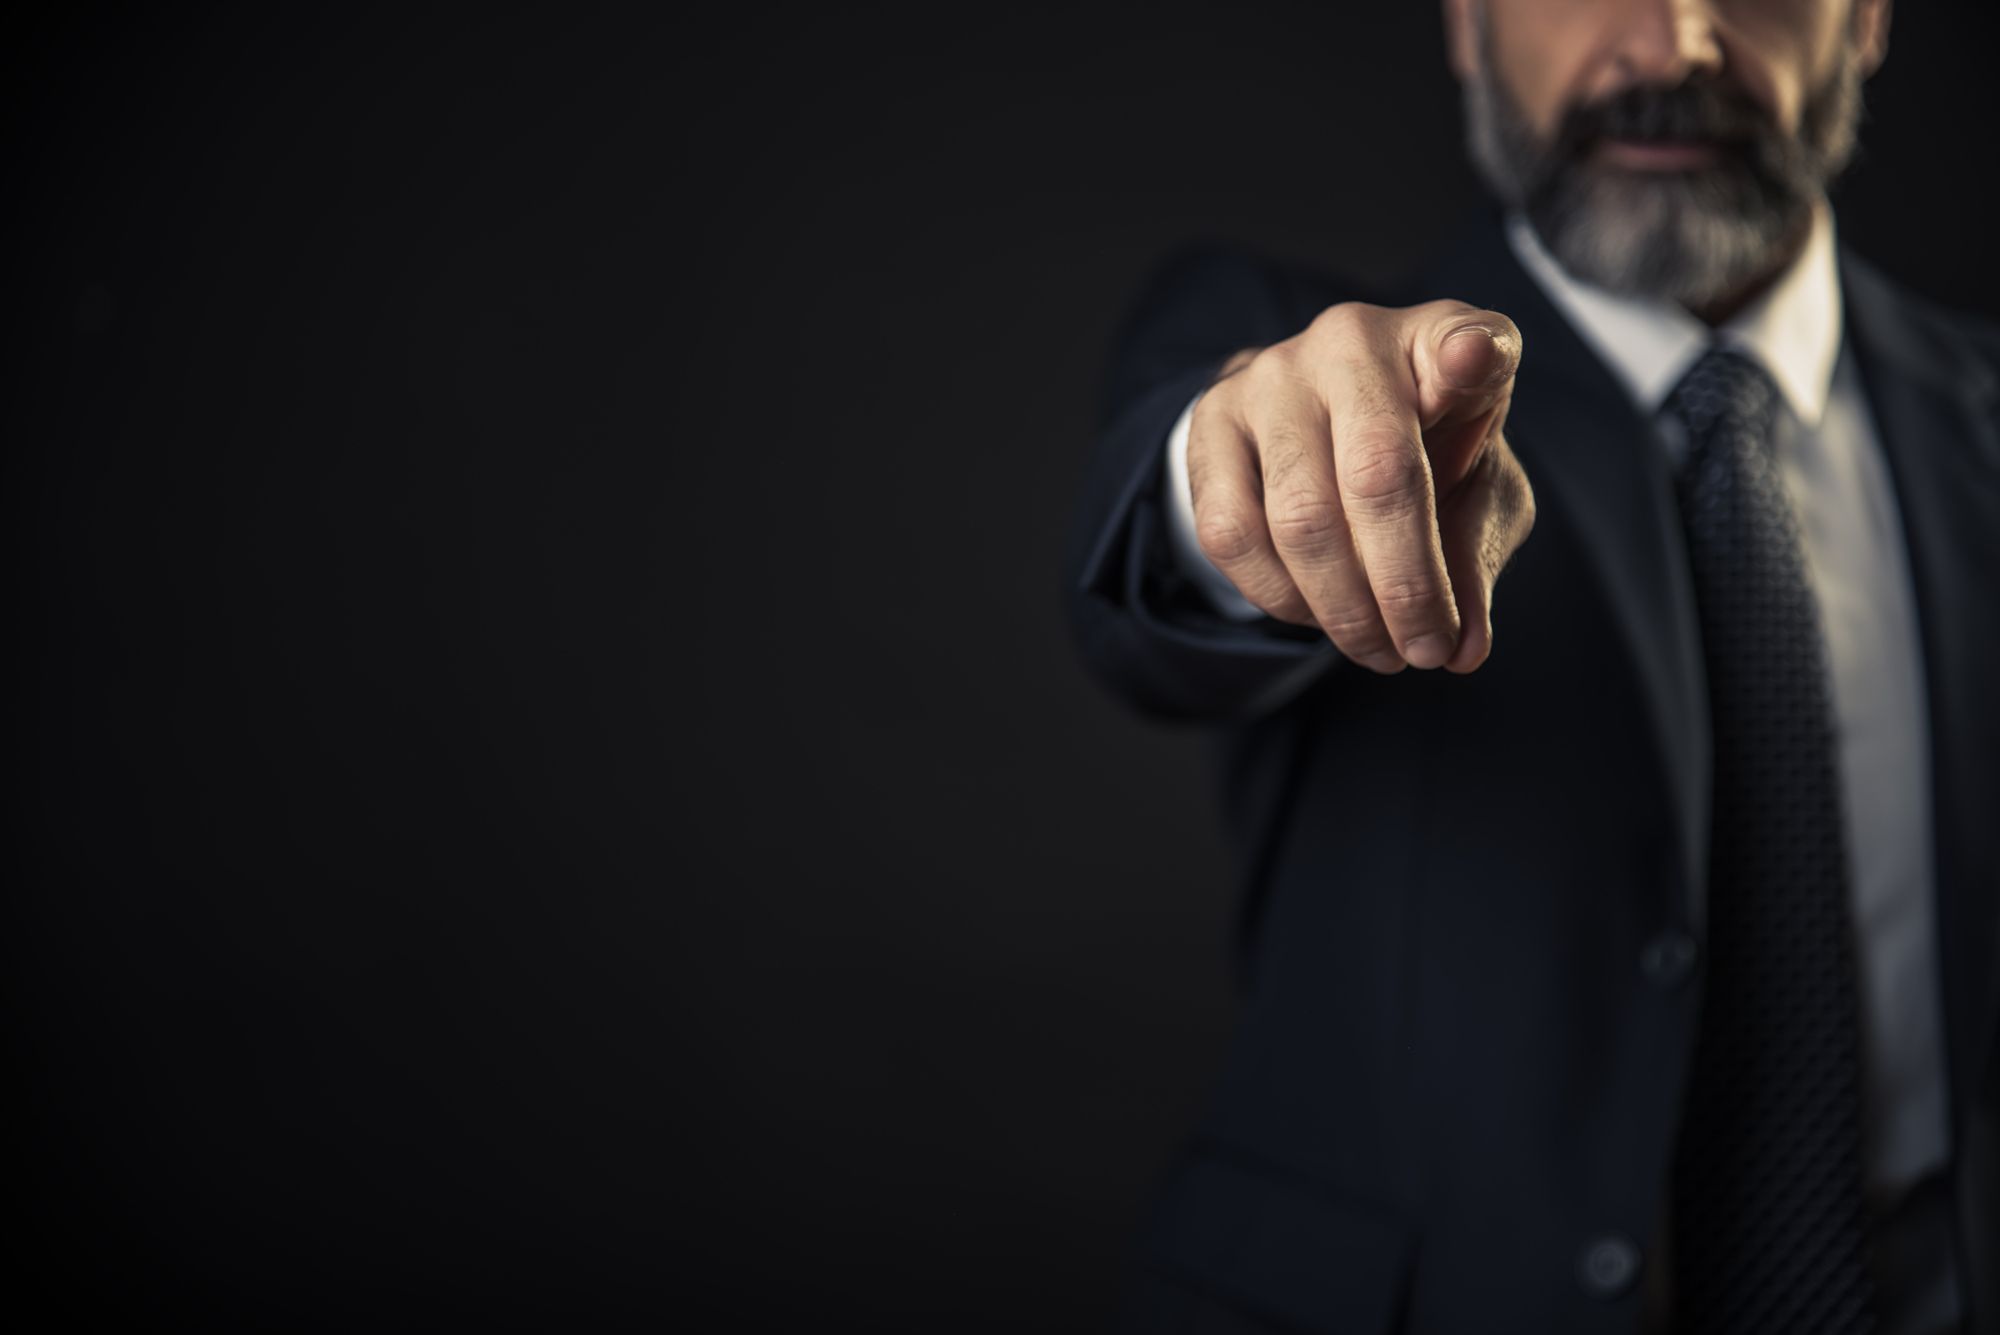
1694,237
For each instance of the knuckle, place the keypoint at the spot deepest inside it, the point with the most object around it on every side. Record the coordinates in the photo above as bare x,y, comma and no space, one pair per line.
1258,369
1236,362
1305,521
1225,535
1211,408
1380,469
1406,596
1345,321
1274,380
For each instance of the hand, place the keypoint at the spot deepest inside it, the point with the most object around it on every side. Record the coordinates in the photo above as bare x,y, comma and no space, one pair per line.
1355,477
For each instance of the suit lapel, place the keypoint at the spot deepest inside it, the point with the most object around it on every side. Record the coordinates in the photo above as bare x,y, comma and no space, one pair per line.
1587,448
1938,413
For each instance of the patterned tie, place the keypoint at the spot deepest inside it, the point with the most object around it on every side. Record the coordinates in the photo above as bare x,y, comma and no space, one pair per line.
1768,1222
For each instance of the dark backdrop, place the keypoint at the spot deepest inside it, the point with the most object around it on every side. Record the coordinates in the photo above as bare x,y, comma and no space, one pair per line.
550,788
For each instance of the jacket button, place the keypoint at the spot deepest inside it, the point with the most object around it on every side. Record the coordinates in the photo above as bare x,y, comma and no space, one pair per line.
1668,958
1607,1266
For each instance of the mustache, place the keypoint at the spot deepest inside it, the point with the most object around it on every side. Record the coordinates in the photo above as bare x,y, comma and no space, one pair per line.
1701,108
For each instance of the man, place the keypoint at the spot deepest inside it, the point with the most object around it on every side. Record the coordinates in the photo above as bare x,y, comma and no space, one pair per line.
1637,970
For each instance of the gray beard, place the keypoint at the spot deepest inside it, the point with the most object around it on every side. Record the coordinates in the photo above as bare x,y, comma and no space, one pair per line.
1694,237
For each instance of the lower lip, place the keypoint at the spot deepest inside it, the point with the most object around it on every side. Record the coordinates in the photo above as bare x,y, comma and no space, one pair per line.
1656,157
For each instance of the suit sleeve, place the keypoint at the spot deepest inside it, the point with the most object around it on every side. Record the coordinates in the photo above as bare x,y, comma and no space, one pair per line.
1142,628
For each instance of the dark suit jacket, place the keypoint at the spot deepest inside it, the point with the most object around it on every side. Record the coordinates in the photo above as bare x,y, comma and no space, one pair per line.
1467,1025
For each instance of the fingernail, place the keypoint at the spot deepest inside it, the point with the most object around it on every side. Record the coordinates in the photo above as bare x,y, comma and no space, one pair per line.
1475,341
1429,651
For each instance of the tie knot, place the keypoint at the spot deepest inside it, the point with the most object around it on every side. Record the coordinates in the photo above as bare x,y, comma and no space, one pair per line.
1726,389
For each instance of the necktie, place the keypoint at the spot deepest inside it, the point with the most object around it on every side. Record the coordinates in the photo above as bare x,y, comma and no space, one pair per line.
1768,1222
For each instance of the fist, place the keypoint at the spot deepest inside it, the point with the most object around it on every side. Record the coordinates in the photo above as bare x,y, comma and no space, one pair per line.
1356,478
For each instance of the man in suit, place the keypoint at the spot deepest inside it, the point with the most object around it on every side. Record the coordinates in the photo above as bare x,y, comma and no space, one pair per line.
1638,970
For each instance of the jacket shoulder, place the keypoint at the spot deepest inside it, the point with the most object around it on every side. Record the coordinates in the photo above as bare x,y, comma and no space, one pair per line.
1921,330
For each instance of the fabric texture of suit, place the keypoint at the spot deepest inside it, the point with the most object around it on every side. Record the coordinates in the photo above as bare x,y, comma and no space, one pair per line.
1451,1100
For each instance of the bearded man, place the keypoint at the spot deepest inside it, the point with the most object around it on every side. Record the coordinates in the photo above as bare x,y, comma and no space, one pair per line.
1641,972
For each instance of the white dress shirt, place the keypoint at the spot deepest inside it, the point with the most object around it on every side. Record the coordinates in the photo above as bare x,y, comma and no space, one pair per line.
1831,459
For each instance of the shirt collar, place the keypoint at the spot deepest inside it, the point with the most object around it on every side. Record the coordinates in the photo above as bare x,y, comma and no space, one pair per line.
1649,343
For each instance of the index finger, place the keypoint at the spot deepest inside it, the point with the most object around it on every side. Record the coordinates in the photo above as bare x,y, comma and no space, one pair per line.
1464,359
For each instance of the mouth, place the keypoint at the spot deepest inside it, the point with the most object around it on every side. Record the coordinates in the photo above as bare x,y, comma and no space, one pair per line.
1659,155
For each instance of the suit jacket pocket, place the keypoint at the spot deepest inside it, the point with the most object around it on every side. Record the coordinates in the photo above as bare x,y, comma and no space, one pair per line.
1281,1247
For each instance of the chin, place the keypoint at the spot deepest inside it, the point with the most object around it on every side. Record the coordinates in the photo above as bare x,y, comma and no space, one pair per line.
1692,237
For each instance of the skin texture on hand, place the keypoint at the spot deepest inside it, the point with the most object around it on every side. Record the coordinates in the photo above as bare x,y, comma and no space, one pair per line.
1356,477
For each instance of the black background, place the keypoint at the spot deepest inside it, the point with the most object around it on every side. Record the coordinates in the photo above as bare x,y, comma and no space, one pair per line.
550,786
